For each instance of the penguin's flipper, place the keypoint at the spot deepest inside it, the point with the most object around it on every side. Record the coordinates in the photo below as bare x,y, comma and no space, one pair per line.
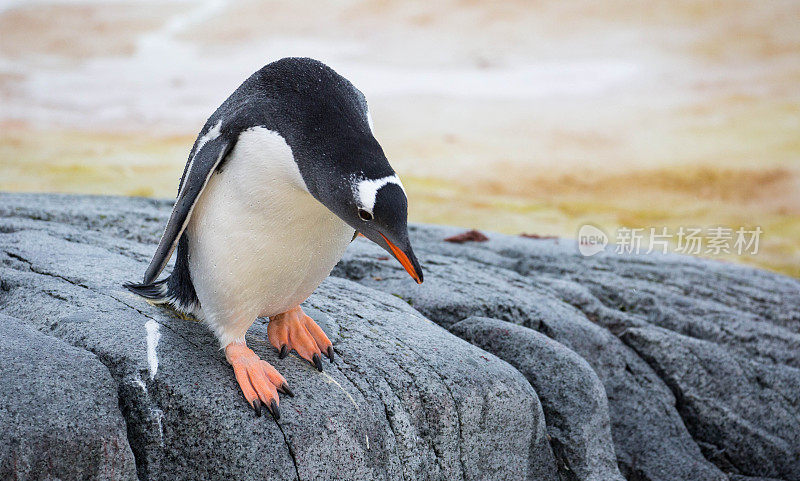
204,163
295,330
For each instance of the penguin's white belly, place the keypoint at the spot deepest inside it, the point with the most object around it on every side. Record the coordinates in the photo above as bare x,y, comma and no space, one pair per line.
259,243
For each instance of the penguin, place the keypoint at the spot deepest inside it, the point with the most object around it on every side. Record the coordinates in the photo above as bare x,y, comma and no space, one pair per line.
281,179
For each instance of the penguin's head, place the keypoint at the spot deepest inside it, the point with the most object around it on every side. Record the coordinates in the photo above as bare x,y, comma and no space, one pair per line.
375,206
325,120
381,212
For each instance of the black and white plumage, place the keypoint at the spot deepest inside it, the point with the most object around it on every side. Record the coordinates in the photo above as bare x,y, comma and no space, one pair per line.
280,178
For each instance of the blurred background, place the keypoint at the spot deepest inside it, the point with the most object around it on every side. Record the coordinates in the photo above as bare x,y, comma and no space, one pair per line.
514,116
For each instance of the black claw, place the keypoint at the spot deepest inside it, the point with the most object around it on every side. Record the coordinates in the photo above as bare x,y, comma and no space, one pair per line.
285,389
330,353
257,407
273,408
317,361
284,351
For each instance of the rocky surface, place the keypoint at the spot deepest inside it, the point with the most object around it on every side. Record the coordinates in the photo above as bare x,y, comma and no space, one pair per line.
59,410
572,396
643,367
404,400
700,360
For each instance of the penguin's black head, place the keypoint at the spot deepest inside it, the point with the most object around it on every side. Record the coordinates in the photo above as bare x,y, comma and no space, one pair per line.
325,120
381,216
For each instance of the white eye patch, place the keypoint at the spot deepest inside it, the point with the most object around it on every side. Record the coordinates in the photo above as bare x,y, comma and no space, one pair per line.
366,190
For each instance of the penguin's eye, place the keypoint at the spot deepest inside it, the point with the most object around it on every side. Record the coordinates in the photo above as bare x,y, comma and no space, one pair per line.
365,215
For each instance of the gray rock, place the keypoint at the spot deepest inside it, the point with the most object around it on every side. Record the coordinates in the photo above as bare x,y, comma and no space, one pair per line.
404,399
407,399
572,396
739,477
745,413
587,304
59,412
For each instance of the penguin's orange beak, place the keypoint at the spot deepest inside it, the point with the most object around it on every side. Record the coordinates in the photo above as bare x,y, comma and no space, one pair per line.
404,260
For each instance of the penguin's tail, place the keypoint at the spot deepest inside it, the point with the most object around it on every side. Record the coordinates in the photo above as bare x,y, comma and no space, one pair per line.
163,292
156,292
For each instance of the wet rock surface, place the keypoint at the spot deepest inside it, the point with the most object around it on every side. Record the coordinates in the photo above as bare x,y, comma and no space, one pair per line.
643,367
403,400
700,360
59,411
572,396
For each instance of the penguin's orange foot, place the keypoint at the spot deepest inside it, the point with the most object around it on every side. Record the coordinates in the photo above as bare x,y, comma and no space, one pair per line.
295,330
258,380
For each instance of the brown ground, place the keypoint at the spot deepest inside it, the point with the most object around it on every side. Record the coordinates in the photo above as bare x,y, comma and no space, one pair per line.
704,134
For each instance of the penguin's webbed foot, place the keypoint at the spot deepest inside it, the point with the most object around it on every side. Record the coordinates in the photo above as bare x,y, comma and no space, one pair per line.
259,381
294,330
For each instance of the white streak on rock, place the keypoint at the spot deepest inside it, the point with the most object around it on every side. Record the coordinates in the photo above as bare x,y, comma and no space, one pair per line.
330,380
156,415
152,342
140,383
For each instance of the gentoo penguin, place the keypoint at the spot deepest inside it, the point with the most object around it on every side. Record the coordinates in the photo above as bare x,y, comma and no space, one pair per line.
281,179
